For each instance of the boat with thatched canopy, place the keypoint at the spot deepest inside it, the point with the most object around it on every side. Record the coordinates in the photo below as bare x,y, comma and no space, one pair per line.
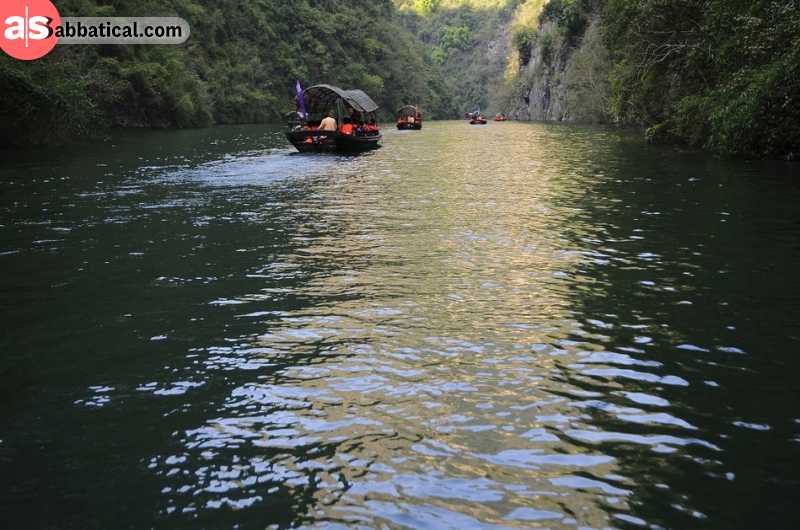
409,118
354,112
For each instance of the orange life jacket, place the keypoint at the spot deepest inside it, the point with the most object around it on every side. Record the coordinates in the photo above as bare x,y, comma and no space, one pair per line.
347,128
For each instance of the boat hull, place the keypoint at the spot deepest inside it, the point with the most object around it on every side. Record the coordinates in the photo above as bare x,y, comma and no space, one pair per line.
405,126
332,142
477,122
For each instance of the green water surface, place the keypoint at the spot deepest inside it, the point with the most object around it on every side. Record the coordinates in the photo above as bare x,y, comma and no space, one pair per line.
509,326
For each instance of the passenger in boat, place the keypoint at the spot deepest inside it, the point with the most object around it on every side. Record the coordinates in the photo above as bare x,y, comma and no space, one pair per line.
361,127
310,127
347,127
328,124
372,127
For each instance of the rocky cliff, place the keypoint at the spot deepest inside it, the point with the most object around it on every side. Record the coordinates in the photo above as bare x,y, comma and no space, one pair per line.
562,76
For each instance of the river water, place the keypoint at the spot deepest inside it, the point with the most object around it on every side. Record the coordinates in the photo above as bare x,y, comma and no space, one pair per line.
510,326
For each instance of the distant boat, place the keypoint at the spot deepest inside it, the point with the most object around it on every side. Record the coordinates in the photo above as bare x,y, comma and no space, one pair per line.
409,118
500,117
320,101
476,117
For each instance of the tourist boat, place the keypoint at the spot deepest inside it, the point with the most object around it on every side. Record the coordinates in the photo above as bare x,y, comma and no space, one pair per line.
476,117
409,118
500,117
319,101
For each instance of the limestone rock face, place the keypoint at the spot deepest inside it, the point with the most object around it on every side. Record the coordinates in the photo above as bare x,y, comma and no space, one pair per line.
542,96
563,78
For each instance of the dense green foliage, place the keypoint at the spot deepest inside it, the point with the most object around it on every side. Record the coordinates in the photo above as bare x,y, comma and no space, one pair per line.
239,66
721,74
465,39
718,74
569,14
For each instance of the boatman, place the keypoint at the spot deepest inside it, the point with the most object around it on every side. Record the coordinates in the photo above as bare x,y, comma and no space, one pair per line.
328,124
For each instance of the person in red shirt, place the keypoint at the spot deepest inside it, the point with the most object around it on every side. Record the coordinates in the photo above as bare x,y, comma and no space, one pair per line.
372,127
347,127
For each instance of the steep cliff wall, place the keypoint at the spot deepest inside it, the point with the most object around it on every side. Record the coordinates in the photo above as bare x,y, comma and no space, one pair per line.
540,93
714,74
562,76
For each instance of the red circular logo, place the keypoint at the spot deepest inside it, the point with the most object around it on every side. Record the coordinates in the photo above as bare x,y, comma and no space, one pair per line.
27,28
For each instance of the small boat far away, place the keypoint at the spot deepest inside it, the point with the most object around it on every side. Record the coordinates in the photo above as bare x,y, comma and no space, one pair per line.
476,117
330,119
500,117
409,118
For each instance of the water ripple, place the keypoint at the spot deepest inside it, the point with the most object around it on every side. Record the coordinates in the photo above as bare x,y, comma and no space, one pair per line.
519,327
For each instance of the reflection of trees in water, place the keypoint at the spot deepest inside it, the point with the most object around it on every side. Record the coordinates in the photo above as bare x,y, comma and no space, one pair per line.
668,249
415,305
451,331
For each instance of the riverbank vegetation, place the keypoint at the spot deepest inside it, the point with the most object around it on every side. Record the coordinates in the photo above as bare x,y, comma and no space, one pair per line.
238,66
715,74
718,74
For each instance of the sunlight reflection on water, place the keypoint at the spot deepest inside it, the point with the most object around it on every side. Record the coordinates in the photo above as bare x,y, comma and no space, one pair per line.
464,329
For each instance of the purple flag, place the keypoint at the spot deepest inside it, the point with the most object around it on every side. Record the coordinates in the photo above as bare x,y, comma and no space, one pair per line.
301,100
